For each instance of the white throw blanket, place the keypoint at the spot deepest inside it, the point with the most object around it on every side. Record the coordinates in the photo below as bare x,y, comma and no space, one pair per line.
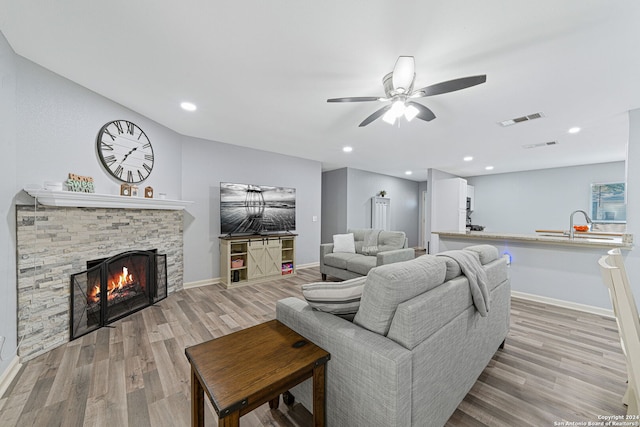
370,243
470,265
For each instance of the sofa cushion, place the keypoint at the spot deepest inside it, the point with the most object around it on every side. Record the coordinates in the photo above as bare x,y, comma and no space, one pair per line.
420,317
453,268
391,284
358,233
487,253
339,298
391,240
344,243
339,260
361,264
358,236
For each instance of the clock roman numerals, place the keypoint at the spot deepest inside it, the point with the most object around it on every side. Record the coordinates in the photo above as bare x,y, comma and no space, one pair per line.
118,171
113,138
104,146
148,157
118,125
109,160
130,128
129,176
141,175
147,167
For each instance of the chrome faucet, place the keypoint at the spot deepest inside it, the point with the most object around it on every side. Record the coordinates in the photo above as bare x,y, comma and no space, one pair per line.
571,229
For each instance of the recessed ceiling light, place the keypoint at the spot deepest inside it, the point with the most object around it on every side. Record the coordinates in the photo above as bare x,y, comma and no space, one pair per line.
574,130
347,149
489,168
408,173
467,158
188,106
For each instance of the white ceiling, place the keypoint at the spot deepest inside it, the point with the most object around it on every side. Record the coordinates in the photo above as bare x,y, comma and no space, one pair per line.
260,73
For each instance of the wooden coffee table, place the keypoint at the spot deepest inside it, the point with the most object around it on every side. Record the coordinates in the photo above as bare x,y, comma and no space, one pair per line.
248,368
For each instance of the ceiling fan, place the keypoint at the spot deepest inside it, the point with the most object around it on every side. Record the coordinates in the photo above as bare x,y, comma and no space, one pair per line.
398,88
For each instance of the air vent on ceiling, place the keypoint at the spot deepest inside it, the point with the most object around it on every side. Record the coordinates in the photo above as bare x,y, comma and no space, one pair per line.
521,119
541,144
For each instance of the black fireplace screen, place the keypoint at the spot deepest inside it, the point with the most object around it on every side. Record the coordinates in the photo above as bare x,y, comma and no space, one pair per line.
113,288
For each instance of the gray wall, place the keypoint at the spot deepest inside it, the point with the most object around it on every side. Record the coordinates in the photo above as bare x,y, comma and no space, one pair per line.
205,164
521,202
334,201
8,286
57,124
361,187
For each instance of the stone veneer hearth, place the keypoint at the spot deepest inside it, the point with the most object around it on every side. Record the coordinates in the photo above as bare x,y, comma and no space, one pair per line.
54,242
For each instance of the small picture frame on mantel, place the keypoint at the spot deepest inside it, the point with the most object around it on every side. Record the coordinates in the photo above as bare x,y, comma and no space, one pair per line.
125,190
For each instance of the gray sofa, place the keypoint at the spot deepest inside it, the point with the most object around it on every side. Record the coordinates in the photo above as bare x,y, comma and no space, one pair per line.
416,346
390,247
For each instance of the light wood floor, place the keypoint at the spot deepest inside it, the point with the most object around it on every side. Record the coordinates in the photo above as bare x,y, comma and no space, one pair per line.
557,365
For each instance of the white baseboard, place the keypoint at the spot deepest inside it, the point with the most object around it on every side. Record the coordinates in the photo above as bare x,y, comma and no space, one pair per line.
216,280
564,304
9,374
197,284
310,265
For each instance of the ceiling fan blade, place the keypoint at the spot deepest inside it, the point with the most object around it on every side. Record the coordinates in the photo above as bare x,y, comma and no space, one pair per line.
375,115
354,99
451,86
425,113
404,74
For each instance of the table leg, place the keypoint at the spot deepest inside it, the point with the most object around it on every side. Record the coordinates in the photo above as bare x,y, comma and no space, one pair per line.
197,401
274,403
318,396
231,420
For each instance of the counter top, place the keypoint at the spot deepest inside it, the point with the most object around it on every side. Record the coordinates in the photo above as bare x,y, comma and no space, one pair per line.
586,240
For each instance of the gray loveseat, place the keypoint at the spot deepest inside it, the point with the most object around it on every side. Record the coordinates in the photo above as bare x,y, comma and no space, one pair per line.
387,247
416,346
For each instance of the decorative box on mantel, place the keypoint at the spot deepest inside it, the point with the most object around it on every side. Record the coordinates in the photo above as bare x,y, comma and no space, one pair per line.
94,200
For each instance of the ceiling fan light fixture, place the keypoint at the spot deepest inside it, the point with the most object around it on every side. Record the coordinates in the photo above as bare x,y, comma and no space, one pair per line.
398,88
403,74
396,111
398,108
389,117
410,113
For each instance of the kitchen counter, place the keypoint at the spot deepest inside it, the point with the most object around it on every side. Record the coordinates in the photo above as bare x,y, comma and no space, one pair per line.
550,237
547,267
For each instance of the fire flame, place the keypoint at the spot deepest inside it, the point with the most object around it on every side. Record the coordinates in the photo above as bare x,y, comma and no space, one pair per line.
116,283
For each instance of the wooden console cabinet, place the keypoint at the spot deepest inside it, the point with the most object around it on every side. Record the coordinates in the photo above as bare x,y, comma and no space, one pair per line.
246,260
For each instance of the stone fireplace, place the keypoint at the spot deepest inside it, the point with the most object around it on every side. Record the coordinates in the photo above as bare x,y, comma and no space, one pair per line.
54,243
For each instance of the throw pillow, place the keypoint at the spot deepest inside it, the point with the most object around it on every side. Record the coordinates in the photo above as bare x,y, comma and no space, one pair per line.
344,243
339,298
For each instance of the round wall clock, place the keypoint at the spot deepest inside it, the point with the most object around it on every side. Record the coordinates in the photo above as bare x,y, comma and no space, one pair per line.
125,151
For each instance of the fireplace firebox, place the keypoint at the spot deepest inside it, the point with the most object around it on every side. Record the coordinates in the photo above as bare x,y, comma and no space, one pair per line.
115,287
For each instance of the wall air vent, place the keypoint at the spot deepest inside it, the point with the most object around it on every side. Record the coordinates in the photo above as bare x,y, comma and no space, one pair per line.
541,144
521,119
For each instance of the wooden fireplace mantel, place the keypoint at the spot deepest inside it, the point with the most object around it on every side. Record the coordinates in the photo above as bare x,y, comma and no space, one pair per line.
94,200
